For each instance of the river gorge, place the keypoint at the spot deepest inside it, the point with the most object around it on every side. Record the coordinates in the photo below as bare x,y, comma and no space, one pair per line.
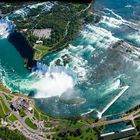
101,76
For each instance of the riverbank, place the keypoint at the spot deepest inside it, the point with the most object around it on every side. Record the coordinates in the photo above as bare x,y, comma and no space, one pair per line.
73,15
62,18
35,123
73,19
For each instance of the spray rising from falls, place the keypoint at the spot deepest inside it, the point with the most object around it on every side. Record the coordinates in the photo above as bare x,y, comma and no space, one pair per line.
6,27
53,81
45,81
93,44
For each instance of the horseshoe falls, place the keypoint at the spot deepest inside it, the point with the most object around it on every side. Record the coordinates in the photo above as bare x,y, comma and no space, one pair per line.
98,73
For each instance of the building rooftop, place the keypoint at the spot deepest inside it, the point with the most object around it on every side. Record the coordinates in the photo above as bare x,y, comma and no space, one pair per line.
42,33
119,134
20,103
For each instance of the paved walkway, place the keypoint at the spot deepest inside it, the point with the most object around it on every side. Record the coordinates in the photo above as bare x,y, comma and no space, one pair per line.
131,116
21,120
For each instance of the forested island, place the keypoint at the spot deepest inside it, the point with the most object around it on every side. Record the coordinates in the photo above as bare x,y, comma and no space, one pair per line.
63,21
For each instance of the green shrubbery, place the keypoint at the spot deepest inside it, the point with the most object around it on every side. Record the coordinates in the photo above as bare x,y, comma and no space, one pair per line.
30,123
11,135
64,19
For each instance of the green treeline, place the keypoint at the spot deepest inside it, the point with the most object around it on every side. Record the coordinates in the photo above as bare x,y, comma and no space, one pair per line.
64,19
11,135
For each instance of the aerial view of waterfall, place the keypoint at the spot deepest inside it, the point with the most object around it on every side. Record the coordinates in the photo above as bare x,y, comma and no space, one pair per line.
97,73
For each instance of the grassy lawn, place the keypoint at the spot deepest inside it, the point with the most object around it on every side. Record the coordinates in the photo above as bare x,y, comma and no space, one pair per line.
137,123
21,113
48,125
77,5
12,118
56,128
71,124
64,21
3,88
85,134
40,51
36,114
9,98
8,134
43,117
1,111
6,109
30,123
78,123
90,120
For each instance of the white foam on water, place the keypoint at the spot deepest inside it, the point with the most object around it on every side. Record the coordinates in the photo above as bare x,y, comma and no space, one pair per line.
21,12
36,5
88,112
24,11
112,87
53,84
118,17
128,6
111,22
6,27
100,113
3,30
135,64
100,36
81,54
134,36
3,77
4,83
77,63
48,5
46,82
80,50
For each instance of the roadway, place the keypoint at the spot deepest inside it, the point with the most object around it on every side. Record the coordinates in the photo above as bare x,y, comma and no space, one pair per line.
102,122
22,121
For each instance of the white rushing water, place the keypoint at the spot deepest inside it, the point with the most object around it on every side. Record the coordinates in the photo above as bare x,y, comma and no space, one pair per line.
112,102
53,84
